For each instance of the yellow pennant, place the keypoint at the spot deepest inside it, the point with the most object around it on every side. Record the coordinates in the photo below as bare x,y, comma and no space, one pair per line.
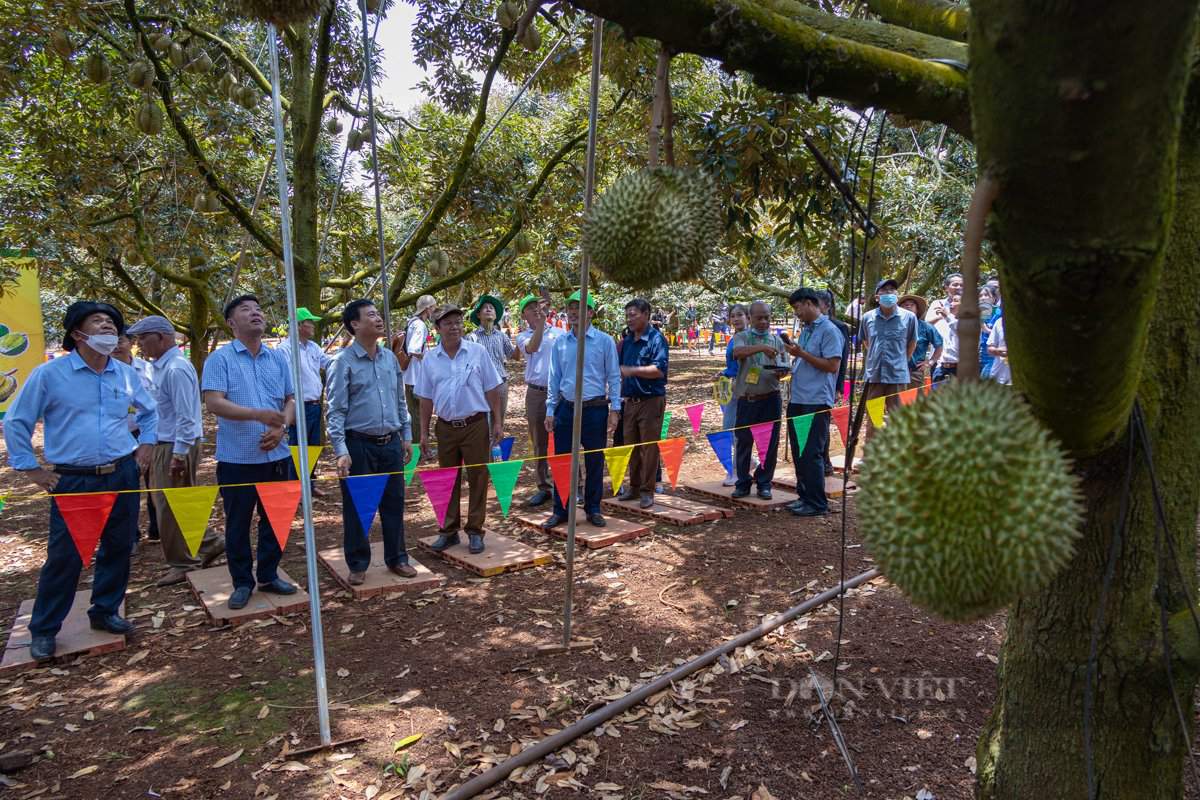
314,452
618,462
875,409
191,506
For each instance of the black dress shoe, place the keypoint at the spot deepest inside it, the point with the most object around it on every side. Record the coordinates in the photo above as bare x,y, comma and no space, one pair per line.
740,493
539,498
765,493
808,511
278,586
111,623
41,648
240,597
446,540
627,496
553,521
647,500
597,519
795,504
474,543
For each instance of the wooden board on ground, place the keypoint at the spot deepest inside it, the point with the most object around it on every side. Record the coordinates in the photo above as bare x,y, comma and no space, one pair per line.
214,585
378,578
617,530
718,491
670,509
833,485
76,638
839,462
500,553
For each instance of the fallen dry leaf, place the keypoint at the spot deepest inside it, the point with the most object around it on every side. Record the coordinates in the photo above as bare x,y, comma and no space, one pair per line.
762,793
343,672
292,766
84,771
924,734
229,759
137,657
262,712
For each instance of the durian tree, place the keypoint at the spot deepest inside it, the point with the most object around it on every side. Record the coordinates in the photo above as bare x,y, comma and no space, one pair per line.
1086,120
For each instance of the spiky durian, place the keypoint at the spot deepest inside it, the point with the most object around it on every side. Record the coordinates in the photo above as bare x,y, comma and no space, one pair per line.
333,125
177,55
138,73
62,45
149,119
966,502
437,261
96,69
532,39
280,12
373,6
355,140
247,97
654,226
522,243
507,14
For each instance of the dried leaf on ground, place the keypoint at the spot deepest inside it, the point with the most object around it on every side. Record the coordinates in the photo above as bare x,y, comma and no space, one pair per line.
229,759
84,771
137,657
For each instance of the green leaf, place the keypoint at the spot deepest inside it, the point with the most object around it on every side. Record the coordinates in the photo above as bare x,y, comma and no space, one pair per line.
405,742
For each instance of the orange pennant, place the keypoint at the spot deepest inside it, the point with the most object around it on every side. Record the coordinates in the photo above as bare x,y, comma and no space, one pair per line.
928,384
86,516
560,468
280,499
908,396
672,456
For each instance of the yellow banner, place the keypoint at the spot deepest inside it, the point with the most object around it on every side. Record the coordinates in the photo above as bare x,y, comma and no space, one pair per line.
191,507
22,345
618,462
875,409
314,451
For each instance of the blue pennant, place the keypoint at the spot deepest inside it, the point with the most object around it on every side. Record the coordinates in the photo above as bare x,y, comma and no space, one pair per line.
506,447
366,491
722,445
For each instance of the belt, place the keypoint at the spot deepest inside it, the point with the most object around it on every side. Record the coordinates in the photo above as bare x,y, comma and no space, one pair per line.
591,402
367,437
640,398
757,398
101,469
465,421
538,388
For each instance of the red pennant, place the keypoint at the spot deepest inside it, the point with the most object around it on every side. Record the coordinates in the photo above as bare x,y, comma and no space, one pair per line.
550,443
280,500
86,516
841,418
560,468
928,384
908,396
672,456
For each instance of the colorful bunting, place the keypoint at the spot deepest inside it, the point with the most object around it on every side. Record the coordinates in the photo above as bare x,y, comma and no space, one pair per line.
875,409
762,438
802,425
439,485
845,390
907,397
722,444
411,467
696,415
560,468
504,480
366,491
666,424
191,506
280,499
506,446
86,515
550,443
672,457
928,384
841,418
618,463
314,452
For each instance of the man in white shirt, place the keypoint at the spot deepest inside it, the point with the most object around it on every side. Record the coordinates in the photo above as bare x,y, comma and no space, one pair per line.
409,347
312,360
954,288
998,347
459,382
536,344
176,458
124,354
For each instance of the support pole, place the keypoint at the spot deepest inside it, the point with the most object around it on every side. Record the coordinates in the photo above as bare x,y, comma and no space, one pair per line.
285,230
580,329
368,79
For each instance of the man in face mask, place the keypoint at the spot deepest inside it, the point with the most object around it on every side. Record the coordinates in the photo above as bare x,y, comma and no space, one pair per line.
82,401
889,337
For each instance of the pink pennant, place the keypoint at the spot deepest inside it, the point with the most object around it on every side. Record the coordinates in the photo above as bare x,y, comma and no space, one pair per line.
845,390
762,437
439,485
695,414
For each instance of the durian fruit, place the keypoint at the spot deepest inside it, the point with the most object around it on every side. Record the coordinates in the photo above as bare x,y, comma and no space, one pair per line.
966,502
355,140
522,243
333,125
202,65
138,73
160,42
247,97
177,55
654,226
149,119
437,261
212,203
507,14
281,12
532,40
96,68
62,46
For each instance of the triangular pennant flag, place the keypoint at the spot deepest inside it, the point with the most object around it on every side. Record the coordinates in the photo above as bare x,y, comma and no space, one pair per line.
314,452
618,463
802,425
762,438
845,390
696,415
411,467
722,445
841,418
550,443
366,491
672,457
504,480
908,396
875,410
280,499
506,446
928,384
666,424
191,506
560,468
439,485
86,515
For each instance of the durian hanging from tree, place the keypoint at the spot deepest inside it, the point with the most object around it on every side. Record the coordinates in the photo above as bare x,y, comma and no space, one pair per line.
281,13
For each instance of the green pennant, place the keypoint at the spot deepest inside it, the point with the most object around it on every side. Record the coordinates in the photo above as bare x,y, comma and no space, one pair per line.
504,479
411,467
802,425
666,424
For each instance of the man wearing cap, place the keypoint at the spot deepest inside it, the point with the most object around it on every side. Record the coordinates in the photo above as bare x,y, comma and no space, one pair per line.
248,387
889,337
82,401
459,382
370,434
927,336
486,317
409,348
601,381
643,358
312,360
177,453
761,362
536,345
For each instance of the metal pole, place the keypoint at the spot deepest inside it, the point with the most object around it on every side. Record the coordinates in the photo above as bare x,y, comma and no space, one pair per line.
367,78
580,328
310,560
587,724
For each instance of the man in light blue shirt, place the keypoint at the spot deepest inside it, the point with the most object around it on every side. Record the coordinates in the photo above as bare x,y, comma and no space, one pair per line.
82,400
248,387
370,434
889,337
601,390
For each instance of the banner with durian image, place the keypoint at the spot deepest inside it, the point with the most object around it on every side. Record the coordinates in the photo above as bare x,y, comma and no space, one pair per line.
22,344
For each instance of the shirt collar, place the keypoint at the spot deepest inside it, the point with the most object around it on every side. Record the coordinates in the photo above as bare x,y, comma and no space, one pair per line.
357,349
171,353
78,363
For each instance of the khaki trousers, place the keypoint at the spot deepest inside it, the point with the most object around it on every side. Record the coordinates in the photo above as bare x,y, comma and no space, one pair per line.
467,445
917,378
643,424
535,417
889,390
175,549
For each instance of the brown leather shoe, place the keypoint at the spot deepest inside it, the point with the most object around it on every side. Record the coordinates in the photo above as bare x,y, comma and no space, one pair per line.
405,570
177,575
356,578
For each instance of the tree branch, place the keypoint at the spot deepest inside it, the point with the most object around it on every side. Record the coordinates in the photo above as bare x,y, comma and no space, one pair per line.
935,17
915,43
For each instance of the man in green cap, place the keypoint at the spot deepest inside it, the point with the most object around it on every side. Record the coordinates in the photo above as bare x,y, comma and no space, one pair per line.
312,360
535,345
486,317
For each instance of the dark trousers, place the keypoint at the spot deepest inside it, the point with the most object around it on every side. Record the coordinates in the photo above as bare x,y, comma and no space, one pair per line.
240,503
151,510
641,423
312,426
369,458
60,572
766,410
942,373
810,454
593,435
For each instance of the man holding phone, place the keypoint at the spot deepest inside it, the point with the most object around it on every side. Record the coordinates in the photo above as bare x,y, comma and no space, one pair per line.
535,345
761,364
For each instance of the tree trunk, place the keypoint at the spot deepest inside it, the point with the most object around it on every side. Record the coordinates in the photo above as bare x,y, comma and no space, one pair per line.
305,190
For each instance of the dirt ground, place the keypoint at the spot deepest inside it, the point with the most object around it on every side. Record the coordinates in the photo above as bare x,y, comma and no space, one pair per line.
192,711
